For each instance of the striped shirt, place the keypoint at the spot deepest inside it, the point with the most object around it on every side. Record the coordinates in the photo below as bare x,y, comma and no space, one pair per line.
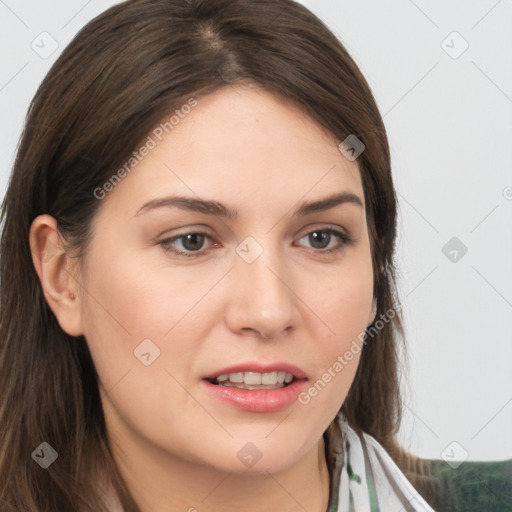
364,478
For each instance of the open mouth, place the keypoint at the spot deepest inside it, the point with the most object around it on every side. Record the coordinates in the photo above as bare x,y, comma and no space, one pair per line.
254,380
256,387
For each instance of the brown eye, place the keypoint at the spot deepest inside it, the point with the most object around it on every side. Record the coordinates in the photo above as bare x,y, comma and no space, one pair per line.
191,244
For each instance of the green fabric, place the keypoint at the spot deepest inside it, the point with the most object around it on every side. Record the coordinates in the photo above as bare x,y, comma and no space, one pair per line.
471,487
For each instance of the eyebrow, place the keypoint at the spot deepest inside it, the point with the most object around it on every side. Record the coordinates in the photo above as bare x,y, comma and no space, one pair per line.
218,209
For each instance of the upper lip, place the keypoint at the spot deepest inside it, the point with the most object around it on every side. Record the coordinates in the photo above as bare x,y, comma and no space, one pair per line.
259,368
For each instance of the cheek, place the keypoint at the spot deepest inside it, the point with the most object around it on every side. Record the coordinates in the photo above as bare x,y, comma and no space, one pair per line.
338,350
344,302
142,295
128,303
131,299
344,308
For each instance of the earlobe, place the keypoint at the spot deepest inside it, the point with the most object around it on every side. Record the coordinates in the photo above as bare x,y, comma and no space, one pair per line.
56,275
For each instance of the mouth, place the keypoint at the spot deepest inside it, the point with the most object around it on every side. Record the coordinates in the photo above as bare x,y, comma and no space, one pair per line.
256,387
254,380
254,375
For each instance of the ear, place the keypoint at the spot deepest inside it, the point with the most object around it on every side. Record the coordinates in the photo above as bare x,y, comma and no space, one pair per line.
56,273
373,312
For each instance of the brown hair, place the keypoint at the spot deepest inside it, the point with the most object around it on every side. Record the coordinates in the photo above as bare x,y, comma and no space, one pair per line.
110,87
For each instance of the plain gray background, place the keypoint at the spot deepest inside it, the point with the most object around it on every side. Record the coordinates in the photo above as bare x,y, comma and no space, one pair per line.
447,109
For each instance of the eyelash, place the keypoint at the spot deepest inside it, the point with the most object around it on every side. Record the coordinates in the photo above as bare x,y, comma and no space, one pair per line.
344,240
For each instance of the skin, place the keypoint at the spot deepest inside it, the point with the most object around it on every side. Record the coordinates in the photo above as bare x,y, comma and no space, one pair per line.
175,444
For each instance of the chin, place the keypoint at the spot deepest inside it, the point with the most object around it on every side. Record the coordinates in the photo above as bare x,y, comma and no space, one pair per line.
258,457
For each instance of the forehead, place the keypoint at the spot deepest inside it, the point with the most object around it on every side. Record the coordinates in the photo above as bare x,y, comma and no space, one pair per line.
245,146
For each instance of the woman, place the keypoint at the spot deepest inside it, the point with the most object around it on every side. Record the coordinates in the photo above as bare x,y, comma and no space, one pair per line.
198,297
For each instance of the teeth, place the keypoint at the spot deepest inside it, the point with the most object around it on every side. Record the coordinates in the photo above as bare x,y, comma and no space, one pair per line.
253,378
269,378
258,380
229,384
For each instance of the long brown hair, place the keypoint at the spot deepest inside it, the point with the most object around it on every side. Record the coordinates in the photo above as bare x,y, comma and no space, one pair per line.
110,87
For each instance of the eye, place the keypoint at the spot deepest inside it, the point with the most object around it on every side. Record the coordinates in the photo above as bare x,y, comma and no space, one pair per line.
192,243
327,239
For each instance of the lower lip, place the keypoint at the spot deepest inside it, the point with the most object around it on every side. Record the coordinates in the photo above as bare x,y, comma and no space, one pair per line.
257,400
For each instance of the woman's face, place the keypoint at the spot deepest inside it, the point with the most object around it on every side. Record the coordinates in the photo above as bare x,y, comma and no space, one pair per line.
269,289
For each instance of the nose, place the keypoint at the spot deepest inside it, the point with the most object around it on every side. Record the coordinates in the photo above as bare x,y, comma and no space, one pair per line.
261,301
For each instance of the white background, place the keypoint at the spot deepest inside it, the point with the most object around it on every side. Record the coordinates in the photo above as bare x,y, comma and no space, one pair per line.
449,123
